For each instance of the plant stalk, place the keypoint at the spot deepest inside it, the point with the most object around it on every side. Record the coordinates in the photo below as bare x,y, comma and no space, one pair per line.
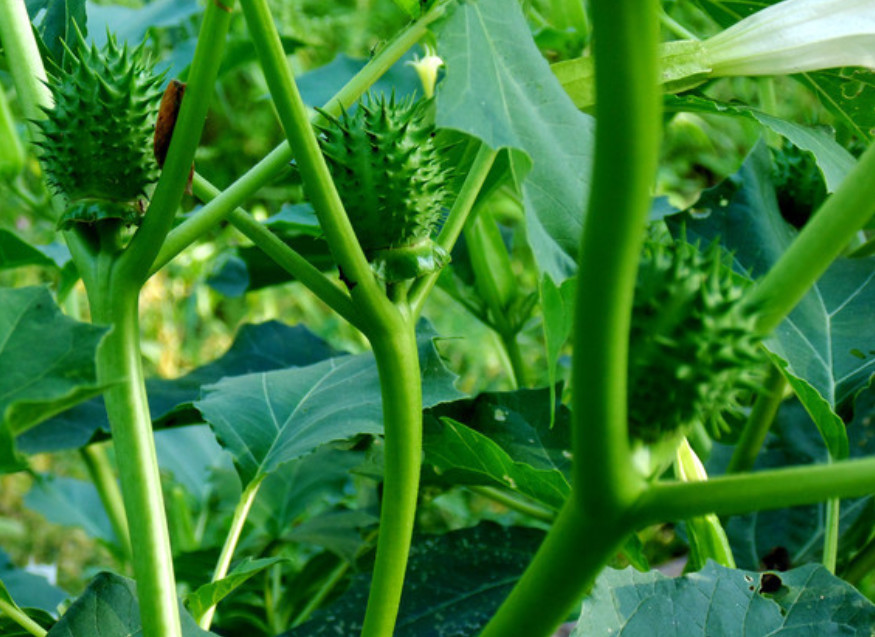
238,521
24,61
22,619
103,477
514,503
765,408
119,366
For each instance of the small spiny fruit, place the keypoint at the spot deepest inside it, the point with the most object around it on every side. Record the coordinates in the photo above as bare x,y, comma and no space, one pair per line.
388,171
96,140
694,350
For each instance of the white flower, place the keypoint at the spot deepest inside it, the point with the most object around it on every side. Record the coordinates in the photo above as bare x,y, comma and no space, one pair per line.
427,69
795,36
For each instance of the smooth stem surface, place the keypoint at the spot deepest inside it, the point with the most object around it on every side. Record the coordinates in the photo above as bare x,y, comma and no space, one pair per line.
763,490
400,385
146,243
831,534
24,61
626,147
567,563
238,521
118,361
102,475
22,619
314,171
765,408
278,159
822,239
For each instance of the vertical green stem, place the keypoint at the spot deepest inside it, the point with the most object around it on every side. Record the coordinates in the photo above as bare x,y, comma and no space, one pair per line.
594,523
758,423
241,512
103,477
119,365
398,364
626,147
831,533
24,60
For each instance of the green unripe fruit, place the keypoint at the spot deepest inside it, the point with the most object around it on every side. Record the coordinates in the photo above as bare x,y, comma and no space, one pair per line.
388,171
693,350
96,145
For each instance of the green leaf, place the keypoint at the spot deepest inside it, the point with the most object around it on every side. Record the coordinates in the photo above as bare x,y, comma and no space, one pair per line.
267,419
454,584
818,346
109,608
728,12
70,502
499,88
721,601
212,593
261,347
337,531
833,160
463,456
30,591
131,25
307,486
15,253
47,361
849,94
57,25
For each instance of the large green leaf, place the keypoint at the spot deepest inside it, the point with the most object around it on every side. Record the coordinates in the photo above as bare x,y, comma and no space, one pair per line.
849,94
722,601
500,89
454,584
109,608
267,419
70,502
463,456
47,364
212,593
821,345
15,253
262,347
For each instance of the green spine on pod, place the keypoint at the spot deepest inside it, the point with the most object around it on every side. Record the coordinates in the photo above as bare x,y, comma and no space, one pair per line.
388,171
693,351
96,146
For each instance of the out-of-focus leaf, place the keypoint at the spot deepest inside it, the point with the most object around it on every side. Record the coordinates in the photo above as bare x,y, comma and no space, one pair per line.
849,94
29,590
270,418
818,345
728,12
109,608
57,22
212,593
455,583
833,160
191,455
499,88
131,25
337,531
721,601
15,253
47,362
70,502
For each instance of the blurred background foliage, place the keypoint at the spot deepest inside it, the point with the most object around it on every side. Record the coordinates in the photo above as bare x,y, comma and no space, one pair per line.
193,308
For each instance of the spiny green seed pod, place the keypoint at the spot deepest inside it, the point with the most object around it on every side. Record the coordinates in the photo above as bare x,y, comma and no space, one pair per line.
392,182
693,350
96,145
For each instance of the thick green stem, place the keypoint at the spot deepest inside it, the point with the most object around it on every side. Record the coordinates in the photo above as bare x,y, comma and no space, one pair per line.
758,423
573,553
22,619
241,512
146,243
822,239
102,475
626,147
278,159
398,364
314,171
604,484
114,303
24,61
762,490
